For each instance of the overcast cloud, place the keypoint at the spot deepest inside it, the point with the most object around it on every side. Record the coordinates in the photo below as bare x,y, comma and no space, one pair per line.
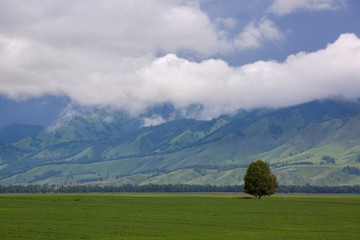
126,54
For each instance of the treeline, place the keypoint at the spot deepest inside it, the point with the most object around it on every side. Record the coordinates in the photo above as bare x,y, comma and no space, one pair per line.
175,188
122,188
151,188
319,189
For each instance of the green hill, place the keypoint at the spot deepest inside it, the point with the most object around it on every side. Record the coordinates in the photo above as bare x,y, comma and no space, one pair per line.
314,143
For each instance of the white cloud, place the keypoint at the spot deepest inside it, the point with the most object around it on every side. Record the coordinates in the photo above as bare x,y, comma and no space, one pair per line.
153,121
120,27
105,55
254,36
285,7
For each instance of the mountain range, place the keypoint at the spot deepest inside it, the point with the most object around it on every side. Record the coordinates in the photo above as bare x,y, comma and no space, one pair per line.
316,143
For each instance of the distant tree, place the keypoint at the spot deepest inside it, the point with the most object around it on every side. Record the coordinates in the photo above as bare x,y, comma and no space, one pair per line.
259,181
351,170
328,159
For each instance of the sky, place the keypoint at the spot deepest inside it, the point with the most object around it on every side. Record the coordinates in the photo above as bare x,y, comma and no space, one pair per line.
135,54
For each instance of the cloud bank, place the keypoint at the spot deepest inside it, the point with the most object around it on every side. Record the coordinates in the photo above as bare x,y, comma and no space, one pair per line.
126,55
330,72
220,88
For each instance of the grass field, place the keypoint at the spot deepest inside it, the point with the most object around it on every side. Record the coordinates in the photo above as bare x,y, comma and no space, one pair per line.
115,216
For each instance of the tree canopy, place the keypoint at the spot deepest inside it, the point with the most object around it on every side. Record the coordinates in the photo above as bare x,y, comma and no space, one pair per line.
259,181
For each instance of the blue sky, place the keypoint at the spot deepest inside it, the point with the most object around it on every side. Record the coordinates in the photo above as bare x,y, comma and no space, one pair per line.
58,56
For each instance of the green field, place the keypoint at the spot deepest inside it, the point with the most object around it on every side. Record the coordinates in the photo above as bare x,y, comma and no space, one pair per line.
175,216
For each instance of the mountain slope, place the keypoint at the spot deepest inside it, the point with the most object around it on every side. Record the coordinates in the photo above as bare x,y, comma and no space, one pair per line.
305,144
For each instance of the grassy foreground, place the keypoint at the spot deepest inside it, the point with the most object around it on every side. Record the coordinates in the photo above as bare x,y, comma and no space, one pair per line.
119,216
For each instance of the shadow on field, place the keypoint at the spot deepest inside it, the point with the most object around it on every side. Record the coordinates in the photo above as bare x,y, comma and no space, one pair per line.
245,197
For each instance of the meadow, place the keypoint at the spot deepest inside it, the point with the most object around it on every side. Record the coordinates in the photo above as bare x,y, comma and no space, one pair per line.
178,216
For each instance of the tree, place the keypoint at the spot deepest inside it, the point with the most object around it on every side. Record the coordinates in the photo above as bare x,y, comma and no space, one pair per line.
259,181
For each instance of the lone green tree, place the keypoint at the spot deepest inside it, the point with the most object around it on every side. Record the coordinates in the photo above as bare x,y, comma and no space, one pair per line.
259,181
